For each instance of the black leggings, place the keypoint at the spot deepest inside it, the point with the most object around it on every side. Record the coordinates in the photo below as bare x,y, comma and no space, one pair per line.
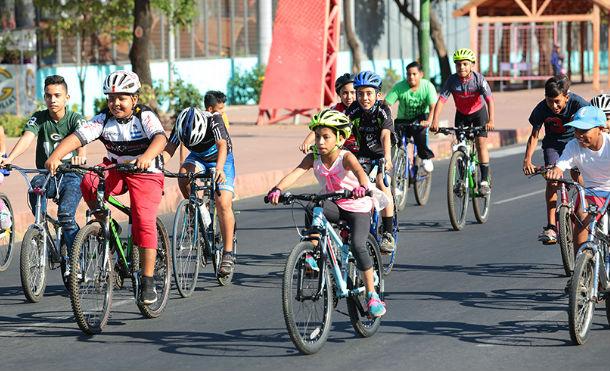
359,224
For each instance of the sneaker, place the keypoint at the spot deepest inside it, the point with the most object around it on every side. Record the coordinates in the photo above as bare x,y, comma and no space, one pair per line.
428,165
68,271
226,265
484,188
375,306
548,236
149,292
387,243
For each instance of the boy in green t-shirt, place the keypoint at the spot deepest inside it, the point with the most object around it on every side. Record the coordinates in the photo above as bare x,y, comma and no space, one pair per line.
416,98
51,126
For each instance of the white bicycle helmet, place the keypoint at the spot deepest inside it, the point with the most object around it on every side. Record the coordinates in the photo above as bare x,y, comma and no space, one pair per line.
191,126
602,102
122,82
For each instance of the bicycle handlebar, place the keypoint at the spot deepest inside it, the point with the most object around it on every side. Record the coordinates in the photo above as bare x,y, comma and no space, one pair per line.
288,198
468,130
189,175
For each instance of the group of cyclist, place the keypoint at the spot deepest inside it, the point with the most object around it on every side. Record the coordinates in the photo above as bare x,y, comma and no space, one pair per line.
345,139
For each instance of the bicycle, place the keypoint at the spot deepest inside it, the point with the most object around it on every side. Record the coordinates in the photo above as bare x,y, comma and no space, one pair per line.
387,259
306,281
408,170
99,251
43,244
195,241
590,282
464,178
7,237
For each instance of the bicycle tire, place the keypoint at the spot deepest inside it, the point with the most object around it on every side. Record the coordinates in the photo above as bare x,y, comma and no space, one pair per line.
87,266
321,321
481,203
400,180
186,249
8,237
162,275
364,326
217,256
566,238
455,187
422,184
33,266
580,305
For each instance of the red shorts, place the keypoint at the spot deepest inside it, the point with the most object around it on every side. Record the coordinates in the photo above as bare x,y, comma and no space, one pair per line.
596,200
145,191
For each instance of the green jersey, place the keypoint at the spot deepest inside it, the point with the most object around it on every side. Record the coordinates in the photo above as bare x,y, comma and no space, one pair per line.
412,104
50,133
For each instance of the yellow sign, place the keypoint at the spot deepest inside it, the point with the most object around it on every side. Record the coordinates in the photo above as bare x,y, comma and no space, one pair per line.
5,93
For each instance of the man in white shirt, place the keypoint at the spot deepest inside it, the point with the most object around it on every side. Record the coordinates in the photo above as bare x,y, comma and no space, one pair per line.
589,151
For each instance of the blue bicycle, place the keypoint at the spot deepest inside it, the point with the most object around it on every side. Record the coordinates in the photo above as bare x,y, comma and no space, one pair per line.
308,293
408,170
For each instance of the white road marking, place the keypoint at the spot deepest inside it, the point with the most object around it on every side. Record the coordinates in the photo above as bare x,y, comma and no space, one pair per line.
520,197
507,152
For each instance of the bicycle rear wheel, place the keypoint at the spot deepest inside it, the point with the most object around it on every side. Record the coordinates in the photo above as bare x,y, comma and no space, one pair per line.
162,275
457,190
7,238
400,179
357,308
566,242
33,266
307,307
481,203
422,184
186,249
91,279
581,306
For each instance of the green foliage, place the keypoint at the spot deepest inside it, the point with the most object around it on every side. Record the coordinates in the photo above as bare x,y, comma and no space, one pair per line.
179,97
245,87
99,104
390,79
12,124
183,12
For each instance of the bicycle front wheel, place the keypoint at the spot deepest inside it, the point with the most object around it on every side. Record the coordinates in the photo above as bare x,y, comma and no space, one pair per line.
422,184
33,267
162,275
457,190
307,306
91,279
400,179
581,306
566,242
481,203
186,249
363,323
7,237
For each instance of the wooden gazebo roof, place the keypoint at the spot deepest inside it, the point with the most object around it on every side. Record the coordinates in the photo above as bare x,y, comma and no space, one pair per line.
531,11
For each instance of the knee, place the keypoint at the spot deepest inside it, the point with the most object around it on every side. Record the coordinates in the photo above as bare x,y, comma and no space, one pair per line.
88,186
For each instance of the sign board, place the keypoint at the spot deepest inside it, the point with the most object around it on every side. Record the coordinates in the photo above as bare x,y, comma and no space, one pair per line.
17,88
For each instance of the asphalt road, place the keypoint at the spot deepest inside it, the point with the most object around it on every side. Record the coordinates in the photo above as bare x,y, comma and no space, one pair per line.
488,297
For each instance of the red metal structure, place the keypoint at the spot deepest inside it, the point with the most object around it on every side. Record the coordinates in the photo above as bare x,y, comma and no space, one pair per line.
300,76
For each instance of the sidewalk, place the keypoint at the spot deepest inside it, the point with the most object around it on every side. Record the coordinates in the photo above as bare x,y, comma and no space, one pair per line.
264,154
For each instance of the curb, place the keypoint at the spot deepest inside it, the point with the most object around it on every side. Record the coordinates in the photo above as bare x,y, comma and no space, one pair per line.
256,184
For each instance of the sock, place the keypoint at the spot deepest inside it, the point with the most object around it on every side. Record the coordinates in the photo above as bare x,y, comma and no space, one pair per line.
484,171
388,224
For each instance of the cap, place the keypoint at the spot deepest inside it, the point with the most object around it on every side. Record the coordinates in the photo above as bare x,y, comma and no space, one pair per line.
587,118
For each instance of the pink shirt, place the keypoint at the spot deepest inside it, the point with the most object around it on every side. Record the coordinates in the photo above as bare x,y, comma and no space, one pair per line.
337,178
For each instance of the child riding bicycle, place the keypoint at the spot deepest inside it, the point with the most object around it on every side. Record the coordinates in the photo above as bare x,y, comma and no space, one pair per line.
131,133
374,130
472,96
206,137
337,170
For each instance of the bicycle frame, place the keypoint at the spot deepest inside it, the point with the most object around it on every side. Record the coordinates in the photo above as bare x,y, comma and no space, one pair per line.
338,259
467,146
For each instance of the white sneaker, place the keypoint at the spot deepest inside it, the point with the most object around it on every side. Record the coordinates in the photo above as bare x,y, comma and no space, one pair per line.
484,188
428,165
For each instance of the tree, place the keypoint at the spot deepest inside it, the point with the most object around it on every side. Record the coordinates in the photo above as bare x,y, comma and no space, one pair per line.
86,20
352,40
436,33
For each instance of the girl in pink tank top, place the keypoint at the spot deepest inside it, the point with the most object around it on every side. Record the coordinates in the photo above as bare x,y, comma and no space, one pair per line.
338,170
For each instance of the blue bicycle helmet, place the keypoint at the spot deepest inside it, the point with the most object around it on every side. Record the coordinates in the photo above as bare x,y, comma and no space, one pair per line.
367,79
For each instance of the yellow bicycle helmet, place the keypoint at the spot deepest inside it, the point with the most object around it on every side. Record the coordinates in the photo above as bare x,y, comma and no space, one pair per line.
464,54
332,119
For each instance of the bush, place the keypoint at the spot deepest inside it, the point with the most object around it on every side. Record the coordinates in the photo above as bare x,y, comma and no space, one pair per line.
99,104
12,124
245,87
390,79
181,96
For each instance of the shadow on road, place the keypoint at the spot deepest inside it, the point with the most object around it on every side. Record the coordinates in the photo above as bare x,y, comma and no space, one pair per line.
505,270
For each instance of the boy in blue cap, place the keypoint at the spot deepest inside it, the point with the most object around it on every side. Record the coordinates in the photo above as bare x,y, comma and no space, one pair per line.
589,151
